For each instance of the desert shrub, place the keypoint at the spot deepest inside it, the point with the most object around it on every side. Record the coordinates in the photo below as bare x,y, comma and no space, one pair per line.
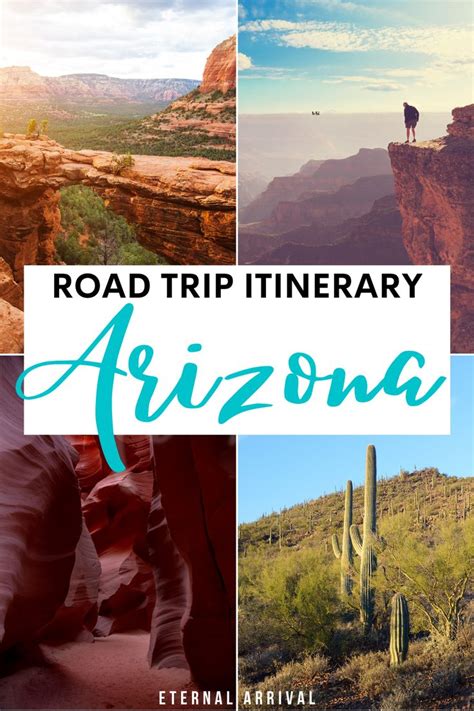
434,669
311,665
303,675
261,663
297,674
121,162
398,700
32,128
370,672
216,95
349,636
289,608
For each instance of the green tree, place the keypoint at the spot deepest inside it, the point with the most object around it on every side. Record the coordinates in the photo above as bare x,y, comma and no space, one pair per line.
44,127
298,590
93,234
434,572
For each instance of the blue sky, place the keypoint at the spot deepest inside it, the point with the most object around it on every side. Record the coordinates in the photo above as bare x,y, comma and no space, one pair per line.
281,471
354,56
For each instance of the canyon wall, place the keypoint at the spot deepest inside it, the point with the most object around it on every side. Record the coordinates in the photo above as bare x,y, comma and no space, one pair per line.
192,545
40,520
435,192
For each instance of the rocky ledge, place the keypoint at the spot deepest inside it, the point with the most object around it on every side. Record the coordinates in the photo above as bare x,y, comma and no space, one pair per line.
435,193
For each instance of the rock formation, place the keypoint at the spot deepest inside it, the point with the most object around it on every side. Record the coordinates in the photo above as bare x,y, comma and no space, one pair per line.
11,328
192,543
40,520
9,289
76,619
183,208
91,467
116,513
435,192
220,70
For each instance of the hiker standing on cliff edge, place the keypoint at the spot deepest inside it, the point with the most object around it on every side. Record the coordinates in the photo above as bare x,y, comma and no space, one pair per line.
412,116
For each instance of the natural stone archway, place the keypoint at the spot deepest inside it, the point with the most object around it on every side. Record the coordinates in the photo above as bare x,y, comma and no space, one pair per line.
183,208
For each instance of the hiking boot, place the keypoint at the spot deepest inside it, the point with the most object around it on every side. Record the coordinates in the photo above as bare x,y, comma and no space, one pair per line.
407,141
414,140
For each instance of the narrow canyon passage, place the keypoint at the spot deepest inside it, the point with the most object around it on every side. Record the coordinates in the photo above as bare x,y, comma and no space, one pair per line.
113,586
111,672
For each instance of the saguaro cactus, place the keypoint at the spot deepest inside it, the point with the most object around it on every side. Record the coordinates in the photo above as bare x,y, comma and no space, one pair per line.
365,545
345,553
399,630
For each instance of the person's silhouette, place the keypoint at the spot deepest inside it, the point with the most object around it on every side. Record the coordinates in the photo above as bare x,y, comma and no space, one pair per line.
412,116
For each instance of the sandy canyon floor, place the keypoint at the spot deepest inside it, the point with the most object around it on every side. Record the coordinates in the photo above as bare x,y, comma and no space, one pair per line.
111,672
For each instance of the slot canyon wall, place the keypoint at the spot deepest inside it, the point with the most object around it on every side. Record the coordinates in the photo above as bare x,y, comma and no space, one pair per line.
88,552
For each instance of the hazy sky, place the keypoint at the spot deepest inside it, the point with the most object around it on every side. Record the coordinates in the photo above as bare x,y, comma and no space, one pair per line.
125,38
275,472
359,55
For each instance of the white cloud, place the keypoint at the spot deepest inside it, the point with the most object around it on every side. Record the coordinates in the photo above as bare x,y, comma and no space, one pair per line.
125,38
244,62
370,82
435,73
274,73
446,42
346,6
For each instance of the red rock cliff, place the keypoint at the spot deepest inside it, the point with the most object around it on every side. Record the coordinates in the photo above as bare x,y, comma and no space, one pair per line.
220,70
435,192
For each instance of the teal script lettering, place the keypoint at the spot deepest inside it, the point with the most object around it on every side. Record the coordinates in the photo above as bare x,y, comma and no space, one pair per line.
299,385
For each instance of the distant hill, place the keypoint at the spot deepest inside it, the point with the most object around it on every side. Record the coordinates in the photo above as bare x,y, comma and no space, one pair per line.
337,211
426,494
373,238
250,186
23,84
317,176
